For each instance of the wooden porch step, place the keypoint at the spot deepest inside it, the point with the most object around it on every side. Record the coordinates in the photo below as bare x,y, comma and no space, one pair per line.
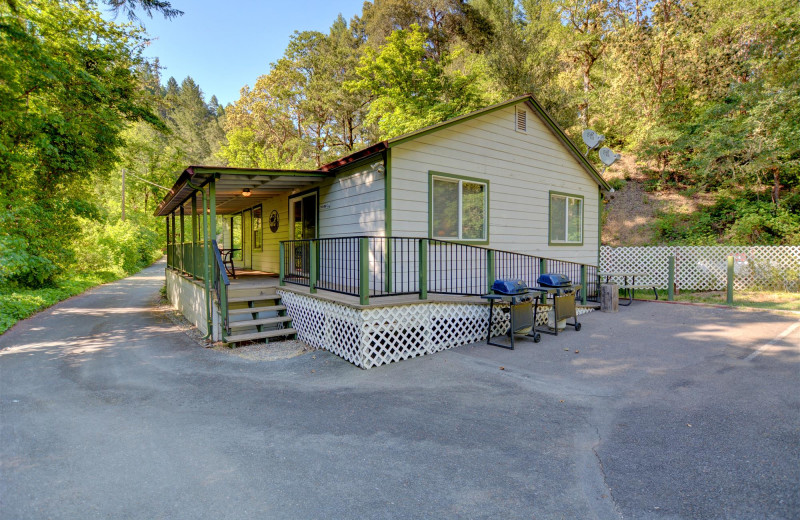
275,333
263,321
252,310
256,298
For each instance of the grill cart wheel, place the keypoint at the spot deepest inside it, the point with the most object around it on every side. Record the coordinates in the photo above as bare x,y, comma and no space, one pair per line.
577,326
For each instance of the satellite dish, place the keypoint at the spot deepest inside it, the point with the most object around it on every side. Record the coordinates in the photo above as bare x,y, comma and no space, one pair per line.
592,139
608,156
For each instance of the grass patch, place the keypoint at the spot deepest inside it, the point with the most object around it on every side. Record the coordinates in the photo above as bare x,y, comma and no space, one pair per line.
17,304
772,300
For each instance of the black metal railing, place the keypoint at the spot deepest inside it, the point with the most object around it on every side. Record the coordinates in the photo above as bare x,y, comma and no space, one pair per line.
221,284
385,266
457,268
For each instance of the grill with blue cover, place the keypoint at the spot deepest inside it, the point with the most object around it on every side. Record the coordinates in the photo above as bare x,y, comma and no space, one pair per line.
522,315
563,293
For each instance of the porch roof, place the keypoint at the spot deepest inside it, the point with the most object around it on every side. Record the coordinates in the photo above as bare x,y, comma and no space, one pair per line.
263,184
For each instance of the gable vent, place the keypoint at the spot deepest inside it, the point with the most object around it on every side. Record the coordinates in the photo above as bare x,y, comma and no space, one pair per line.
522,121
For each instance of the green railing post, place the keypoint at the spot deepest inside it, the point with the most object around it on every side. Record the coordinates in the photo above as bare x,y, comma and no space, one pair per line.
542,270
584,284
313,267
730,280
281,260
489,270
423,269
387,260
671,278
363,270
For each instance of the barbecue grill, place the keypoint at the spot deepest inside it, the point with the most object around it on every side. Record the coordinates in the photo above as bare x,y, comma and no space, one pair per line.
556,281
521,309
563,299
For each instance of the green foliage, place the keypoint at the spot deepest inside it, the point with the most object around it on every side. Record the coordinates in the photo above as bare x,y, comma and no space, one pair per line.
18,303
120,248
617,184
403,66
735,218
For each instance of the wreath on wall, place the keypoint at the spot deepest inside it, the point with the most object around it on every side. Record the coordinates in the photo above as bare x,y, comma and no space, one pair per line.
273,221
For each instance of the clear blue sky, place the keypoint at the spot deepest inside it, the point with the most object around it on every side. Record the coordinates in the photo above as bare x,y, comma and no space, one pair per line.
227,45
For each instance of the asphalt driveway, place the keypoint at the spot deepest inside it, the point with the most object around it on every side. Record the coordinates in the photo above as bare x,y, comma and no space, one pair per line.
661,411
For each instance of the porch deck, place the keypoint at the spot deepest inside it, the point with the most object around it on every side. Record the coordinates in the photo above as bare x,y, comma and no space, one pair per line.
247,280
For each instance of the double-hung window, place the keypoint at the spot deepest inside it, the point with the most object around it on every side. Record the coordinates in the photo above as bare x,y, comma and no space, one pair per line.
566,219
459,208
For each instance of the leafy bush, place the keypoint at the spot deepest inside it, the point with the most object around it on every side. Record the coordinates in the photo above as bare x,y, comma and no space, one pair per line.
121,248
735,218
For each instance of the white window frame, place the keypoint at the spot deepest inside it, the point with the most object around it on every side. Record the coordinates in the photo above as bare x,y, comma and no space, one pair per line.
567,198
457,179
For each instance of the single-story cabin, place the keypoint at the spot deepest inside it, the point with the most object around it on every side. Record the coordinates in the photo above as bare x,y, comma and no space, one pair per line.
382,255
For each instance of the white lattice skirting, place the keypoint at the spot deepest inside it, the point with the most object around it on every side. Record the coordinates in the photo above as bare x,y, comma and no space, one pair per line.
704,268
376,336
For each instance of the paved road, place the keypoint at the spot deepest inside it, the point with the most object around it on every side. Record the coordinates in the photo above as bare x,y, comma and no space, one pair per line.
108,411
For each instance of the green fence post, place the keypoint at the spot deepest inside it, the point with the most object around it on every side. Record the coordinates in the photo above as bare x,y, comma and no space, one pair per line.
730,280
363,270
423,268
584,284
489,270
312,269
671,278
281,261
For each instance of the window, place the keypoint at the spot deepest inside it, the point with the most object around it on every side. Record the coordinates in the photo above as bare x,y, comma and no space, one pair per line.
257,228
566,219
459,208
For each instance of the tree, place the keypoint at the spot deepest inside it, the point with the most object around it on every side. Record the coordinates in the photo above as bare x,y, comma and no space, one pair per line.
68,89
409,89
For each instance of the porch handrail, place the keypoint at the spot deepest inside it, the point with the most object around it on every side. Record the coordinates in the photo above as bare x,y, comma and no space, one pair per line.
221,284
370,266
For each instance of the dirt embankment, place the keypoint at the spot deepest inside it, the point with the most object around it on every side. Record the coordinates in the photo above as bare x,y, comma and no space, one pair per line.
632,210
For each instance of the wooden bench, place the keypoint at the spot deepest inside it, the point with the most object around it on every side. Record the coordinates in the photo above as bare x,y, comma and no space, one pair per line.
631,289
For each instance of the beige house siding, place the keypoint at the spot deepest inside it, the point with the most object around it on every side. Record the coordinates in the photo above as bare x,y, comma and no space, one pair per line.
350,204
521,168
353,203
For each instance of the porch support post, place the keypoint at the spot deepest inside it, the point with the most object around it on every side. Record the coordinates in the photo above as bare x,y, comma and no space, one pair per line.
584,284
212,222
172,240
169,253
194,236
313,268
423,268
489,270
281,261
183,240
206,265
363,270
212,205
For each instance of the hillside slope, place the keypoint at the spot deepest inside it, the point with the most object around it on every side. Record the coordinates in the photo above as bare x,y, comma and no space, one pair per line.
632,210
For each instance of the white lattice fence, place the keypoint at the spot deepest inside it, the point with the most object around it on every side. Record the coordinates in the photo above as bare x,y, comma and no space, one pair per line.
704,268
379,335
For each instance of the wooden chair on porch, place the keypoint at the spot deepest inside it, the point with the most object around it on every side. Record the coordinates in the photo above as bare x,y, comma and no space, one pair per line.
227,260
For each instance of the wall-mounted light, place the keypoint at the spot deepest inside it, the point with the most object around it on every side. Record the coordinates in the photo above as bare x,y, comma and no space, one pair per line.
245,192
